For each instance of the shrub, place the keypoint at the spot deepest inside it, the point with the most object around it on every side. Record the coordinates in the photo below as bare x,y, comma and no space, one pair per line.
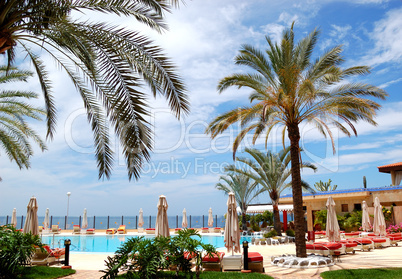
271,233
395,228
16,249
290,232
144,258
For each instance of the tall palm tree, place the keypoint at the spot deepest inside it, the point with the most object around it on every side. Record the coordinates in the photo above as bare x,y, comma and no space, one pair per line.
271,172
109,66
289,89
244,189
15,133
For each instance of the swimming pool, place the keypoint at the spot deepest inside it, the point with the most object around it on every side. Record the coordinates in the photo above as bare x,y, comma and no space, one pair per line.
110,243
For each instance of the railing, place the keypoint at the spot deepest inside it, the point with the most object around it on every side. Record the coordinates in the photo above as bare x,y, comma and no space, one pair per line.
131,222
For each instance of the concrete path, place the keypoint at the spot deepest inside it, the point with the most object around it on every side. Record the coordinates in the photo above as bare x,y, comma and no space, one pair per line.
89,264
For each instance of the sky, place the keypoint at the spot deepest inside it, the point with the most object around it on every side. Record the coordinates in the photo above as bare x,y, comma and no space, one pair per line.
203,38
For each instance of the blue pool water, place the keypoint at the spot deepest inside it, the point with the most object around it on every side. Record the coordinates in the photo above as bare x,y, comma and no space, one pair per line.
110,243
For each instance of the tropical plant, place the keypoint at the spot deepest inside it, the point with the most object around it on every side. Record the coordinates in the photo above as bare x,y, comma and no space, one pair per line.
15,132
320,218
290,232
147,257
268,216
16,249
325,186
271,172
107,64
242,187
289,89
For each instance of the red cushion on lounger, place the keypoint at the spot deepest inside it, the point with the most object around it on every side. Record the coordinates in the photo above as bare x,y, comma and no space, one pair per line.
216,258
394,238
379,240
352,233
177,229
150,229
315,246
320,232
348,244
363,241
254,257
333,245
205,228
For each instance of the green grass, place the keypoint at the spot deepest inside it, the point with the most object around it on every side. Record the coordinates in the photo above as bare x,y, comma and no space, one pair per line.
44,272
211,275
375,273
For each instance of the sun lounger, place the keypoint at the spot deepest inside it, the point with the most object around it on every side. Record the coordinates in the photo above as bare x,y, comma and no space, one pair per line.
177,230
56,229
40,229
325,248
394,238
217,230
204,230
320,234
213,262
364,243
351,234
76,229
122,229
255,262
46,256
349,246
90,231
381,242
150,231
111,231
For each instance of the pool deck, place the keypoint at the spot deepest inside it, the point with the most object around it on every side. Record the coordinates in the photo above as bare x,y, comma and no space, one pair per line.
89,264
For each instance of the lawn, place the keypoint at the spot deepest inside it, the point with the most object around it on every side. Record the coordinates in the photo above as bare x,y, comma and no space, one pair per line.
211,275
44,272
375,273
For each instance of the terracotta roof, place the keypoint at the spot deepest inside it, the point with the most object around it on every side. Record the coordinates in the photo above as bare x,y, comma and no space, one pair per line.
390,167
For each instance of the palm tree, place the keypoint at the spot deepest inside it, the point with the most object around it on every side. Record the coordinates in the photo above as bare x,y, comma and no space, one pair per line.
244,191
107,64
15,132
290,89
271,172
325,186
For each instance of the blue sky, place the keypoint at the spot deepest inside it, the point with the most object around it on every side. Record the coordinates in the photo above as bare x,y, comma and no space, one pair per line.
203,39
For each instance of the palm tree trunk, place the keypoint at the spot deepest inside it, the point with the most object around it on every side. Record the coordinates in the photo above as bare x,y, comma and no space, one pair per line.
277,220
243,221
300,234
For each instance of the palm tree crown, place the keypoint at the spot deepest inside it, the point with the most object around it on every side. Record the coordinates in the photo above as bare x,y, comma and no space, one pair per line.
15,132
288,89
244,189
271,172
107,64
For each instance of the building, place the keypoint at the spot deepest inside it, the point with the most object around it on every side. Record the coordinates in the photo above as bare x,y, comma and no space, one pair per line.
348,200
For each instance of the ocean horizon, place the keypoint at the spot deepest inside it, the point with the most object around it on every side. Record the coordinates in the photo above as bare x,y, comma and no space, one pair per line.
131,222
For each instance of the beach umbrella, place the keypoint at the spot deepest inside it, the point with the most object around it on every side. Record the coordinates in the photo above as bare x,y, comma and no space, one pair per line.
46,222
379,221
162,224
14,218
210,218
31,220
84,224
141,219
366,226
332,222
232,230
184,223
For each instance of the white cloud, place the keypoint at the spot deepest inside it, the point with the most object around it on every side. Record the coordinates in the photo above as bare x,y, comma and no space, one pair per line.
387,35
385,85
